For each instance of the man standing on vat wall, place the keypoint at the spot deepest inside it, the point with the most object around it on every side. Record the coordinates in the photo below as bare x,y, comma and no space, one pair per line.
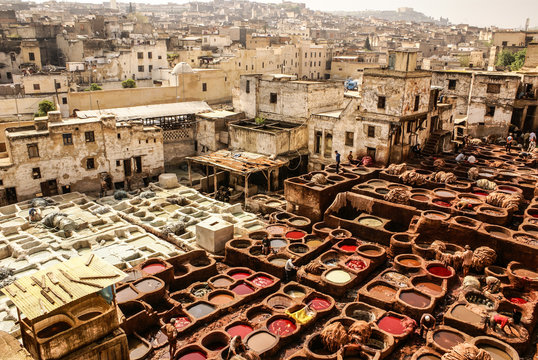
171,333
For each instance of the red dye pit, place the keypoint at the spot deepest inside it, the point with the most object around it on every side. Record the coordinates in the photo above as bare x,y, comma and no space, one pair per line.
240,330
439,270
295,235
441,203
318,303
282,327
262,281
153,268
517,300
195,355
242,289
240,275
480,193
356,264
181,322
392,324
348,247
534,215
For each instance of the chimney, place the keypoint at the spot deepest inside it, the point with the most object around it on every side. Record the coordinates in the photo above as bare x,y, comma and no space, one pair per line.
54,116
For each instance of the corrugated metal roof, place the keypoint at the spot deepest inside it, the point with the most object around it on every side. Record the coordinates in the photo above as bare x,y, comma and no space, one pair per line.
149,111
238,161
49,289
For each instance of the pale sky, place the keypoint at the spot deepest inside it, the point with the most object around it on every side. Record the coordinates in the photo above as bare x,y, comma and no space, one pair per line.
502,13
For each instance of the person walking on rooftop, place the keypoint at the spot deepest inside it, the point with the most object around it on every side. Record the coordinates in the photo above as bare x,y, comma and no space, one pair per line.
290,270
337,155
532,142
509,140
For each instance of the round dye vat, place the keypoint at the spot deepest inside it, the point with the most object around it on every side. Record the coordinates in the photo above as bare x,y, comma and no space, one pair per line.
262,281
526,273
200,310
314,243
318,303
276,229
195,355
53,329
126,294
480,193
240,330
382,292
420,197
429,288
240,275
356,264
428,357
441,203
462,313
148,285
295,293
295,234
278,261
348,247
282,327
153,268
444,194
409,262
517,300
338,276
507,189
439,270
221,299
298,221
371,252
221,282
261,341
415,299
242,289
495,352
392,325
447,339
278,243
370,221
181,322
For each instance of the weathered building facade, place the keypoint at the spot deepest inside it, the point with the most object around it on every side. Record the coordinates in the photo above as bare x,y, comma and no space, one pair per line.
59,156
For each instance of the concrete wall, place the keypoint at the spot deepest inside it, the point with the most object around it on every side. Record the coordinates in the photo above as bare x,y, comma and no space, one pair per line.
106,99
531,57
268,142
67,163
461,91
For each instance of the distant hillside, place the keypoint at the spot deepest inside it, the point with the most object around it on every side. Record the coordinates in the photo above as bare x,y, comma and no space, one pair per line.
405,14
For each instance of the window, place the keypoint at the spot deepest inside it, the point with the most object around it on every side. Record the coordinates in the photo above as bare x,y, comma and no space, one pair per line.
90,163
417,103
159,57
90,136
380,102
138,164
57,85
371,131
140,68
490,110
140,55
150,55
370,152
31,56
273,98
68,139
505,43
36,173
118,135
118,163
8,75
204,87
263,65
37,87
328,145
452,84
33,151
493,88
1,182
150,67
64,101
247,90
317,142
349,138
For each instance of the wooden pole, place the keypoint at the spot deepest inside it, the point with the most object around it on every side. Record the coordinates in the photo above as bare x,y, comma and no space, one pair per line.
215,179
190,172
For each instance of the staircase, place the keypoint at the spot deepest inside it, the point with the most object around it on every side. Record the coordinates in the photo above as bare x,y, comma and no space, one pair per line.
433,143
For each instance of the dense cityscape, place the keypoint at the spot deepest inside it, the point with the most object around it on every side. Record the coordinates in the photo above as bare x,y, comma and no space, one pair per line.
242,180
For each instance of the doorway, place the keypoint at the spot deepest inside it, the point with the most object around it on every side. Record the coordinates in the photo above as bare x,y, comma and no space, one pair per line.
49,188
11,195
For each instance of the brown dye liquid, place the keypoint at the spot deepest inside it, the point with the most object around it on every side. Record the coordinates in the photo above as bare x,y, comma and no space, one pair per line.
383,292
371,252
126,294
429,288
137,349
415,299
460,312
261,341
525,272
221,282
498,234
89,315
148,285
221,299
495,352
409,262
53,329
447,339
